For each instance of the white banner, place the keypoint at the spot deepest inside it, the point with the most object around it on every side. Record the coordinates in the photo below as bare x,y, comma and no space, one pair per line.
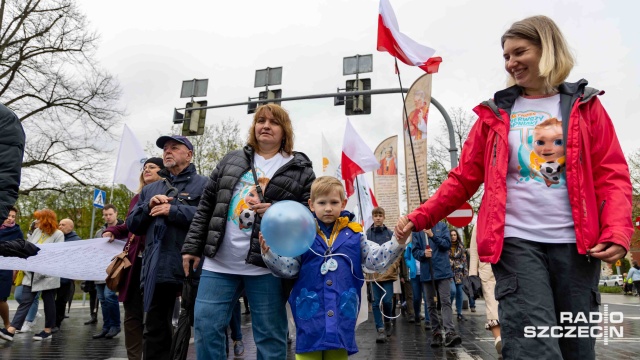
78,260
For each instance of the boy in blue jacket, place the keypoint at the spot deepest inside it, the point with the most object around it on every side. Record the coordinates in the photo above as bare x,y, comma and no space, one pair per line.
434,260
325,299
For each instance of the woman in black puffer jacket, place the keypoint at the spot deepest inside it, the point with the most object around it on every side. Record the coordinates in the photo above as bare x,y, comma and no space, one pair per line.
225,231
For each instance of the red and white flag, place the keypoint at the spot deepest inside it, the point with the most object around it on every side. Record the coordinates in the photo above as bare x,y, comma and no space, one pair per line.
357,158
365,202
391,40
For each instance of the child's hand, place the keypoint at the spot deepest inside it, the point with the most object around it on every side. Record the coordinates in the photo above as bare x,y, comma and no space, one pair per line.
263,244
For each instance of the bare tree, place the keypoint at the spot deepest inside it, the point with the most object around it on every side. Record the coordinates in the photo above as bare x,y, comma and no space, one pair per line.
439,159
49,77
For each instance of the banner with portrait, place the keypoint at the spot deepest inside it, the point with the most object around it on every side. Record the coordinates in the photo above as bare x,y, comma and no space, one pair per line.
385,180
415,131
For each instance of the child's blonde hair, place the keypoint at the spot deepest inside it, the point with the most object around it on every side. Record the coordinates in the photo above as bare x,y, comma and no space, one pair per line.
325,185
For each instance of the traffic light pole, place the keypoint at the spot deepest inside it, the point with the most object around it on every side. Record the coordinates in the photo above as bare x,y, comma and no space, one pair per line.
453,149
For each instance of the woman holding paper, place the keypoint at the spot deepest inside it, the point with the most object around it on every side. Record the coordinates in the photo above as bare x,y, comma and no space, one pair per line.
46,232
129,292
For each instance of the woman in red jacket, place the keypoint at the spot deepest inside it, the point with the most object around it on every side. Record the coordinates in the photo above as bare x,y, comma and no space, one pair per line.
557,196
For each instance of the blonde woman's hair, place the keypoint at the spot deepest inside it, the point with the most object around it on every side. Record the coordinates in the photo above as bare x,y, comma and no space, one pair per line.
281,118
556,60
325,185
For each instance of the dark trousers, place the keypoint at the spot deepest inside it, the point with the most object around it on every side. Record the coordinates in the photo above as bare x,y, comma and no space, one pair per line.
535,282
134,315
28,297
93,302
158,330
63,293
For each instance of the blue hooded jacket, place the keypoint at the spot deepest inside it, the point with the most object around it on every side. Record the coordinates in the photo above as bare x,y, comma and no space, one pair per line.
440,245
326,307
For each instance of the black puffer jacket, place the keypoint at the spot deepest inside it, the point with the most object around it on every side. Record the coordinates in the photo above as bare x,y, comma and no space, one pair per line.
291,182
11,152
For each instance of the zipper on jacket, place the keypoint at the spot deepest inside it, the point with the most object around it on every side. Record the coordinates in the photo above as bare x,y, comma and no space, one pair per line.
495,149
602,206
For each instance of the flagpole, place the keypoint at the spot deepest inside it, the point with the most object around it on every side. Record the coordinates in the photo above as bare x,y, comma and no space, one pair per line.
415,167
406,118
359,202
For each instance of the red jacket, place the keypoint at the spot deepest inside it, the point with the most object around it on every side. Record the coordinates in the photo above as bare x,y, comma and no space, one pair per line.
597,174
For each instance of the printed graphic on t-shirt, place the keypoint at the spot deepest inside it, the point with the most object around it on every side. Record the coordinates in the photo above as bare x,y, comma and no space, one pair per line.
541,151
239,211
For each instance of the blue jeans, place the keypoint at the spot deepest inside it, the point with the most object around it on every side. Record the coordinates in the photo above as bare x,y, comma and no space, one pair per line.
235,325
218,295
418,297
33,310
110,307
387,302
456,291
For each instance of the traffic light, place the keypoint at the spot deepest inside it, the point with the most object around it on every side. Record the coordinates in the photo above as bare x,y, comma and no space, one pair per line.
361,104
271,94
265,95
194,119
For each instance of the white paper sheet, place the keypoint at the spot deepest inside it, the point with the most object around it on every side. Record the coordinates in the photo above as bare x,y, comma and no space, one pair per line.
78,260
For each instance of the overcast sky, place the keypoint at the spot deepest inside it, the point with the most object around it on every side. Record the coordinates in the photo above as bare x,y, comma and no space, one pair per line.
152,46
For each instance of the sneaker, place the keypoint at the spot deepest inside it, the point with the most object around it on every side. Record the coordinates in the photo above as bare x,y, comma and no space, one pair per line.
461,318
55,329
5,334
238,348
388,328
452,339
473,309
498,345
93,320
26,327
381,338
411,320
436,340
43,335
101,334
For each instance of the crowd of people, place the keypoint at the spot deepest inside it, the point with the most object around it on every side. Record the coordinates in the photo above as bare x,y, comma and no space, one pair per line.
197,238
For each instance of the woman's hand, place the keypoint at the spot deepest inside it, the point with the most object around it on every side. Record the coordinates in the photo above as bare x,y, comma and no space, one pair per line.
186,260
260,208
263,244
403,228
607,252
109,235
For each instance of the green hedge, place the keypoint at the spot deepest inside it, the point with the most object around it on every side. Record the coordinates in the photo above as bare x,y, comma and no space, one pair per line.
610,289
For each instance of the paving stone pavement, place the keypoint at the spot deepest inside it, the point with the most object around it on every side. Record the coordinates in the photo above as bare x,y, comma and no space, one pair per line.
407,342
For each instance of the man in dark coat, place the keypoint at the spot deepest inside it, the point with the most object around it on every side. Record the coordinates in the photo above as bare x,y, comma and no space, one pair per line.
11,152
164,213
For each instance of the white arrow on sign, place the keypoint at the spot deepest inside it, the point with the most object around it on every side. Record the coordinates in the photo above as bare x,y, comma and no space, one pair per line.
461,213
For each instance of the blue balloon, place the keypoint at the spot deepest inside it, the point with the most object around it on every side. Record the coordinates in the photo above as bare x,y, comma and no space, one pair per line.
289,228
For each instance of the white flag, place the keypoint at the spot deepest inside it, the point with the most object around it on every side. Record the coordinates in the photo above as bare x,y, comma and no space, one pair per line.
330,162
131,158
365,201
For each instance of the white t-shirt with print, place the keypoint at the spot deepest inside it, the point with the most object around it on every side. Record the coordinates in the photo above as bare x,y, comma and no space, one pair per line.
538,206
233,252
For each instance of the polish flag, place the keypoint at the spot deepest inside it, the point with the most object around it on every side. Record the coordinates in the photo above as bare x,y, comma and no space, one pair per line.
391,40
357,158
366,201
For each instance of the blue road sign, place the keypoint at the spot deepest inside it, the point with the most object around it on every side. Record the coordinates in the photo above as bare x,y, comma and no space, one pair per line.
99,197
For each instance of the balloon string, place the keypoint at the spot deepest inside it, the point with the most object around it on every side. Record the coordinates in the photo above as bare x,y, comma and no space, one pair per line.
384,292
